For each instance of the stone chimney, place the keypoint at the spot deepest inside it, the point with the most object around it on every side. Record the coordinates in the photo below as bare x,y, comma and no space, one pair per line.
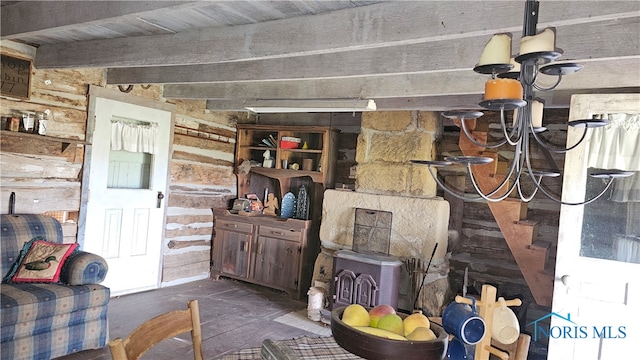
387,181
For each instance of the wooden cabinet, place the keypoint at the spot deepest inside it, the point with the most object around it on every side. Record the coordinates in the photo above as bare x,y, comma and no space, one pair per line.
265,250
235,241
252,142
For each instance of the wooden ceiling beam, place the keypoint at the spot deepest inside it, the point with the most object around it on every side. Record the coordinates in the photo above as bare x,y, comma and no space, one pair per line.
372,26
554,99
596,74
577,40
41,17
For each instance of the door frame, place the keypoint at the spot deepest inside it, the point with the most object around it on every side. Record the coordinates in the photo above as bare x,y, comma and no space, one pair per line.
571,216
101,92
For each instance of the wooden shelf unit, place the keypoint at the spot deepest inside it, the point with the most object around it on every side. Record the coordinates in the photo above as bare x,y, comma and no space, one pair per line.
322,150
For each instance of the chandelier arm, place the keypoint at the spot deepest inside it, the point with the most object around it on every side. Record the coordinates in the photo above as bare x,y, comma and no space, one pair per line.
515,129
559,79
531,175
451,192
524,197
516,166
488,197
558,150
475,142
586,202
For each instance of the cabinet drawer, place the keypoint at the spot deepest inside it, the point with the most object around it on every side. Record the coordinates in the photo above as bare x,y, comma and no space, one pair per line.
279,233
234,226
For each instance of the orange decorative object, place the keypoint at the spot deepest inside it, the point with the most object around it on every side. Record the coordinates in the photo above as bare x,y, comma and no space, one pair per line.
502,89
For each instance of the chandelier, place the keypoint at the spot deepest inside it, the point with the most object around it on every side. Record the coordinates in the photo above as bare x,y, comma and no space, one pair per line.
512,84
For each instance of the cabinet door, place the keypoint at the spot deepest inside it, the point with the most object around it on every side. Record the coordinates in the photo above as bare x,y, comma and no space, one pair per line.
235,252
277,262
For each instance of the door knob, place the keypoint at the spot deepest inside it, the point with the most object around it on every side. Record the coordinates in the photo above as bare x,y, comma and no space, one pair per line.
160,197
566,280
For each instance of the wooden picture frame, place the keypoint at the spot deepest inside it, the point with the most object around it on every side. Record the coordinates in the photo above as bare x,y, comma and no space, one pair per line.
16,77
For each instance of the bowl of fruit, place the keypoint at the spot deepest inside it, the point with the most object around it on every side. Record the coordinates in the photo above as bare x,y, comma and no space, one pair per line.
383,333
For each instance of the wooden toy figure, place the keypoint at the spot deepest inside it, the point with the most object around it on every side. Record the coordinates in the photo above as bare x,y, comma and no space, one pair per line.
271,205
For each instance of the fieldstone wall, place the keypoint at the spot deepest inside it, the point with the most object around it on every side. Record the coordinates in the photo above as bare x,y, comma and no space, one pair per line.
386,144
386,180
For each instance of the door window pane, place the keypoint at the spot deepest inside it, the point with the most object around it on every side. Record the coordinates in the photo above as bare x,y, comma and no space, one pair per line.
610,229
129,170
611,224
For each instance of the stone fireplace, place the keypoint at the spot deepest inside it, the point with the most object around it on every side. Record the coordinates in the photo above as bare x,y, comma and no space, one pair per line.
387,181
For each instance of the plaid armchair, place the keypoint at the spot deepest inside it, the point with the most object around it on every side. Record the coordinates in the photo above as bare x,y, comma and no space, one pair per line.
48,320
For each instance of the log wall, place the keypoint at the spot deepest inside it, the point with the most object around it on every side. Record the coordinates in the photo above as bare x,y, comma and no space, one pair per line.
46,177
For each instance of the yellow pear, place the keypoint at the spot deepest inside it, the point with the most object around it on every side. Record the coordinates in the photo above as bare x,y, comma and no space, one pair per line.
393,323
356,315
421,334
414,321
380,332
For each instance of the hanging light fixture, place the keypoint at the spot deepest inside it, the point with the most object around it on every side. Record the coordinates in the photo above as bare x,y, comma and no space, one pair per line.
512,88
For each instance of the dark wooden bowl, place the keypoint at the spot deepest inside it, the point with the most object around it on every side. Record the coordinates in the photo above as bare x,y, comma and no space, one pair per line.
377,348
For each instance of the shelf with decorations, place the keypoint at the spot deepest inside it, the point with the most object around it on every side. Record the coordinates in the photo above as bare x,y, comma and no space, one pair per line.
298,155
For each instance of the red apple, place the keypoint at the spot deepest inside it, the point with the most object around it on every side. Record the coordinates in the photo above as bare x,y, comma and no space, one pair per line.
378,312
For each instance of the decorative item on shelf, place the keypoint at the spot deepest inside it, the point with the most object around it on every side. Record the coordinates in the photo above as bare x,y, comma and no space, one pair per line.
302,208
271,206
43,122
240,204
307,164
256,205
288,208
28,121
268,161
13,123
290,142
504,92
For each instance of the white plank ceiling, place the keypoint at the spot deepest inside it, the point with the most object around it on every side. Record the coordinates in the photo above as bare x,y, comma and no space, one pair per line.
402,54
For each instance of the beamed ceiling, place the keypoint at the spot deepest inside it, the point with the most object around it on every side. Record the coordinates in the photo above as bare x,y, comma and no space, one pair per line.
404,55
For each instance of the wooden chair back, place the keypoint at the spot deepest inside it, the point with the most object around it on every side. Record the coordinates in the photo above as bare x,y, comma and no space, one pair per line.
161,327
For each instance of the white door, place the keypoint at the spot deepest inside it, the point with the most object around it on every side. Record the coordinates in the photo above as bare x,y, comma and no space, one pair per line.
596,300
124,218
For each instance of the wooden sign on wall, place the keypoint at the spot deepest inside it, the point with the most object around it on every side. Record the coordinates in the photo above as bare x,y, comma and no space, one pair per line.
16,76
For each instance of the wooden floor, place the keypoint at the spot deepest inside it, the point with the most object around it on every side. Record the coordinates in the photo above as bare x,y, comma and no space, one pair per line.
234,316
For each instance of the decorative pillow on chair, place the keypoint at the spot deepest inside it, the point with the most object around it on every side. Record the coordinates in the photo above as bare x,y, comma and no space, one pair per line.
43,262
16,264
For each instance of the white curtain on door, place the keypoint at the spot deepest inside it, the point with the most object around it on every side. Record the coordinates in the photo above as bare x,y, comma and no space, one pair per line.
617,146
134,137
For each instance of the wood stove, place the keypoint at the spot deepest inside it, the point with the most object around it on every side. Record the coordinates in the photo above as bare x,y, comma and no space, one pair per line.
365,279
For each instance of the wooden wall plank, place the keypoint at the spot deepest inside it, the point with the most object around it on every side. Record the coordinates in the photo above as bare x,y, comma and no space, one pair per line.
184,265
189,231
191,173
37,199
201,143
189,219
201,201
183,155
